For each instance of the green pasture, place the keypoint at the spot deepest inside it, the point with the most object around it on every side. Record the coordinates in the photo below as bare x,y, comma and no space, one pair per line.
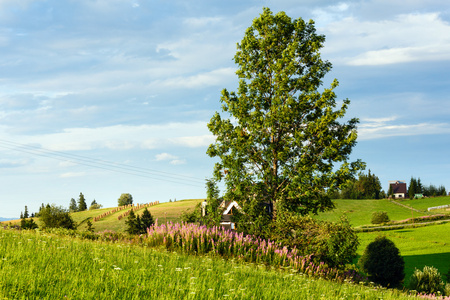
359,212
422,246
424,203
35,265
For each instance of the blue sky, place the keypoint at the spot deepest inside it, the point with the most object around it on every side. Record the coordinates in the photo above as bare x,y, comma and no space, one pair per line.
107,97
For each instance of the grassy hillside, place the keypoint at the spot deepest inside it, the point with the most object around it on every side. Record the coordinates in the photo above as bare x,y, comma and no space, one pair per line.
164,212
424,203
359,212
422,246
69,268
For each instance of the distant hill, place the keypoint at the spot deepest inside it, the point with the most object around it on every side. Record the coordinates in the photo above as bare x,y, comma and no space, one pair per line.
7,219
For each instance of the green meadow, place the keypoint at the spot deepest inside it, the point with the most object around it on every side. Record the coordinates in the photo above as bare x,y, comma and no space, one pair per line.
37,265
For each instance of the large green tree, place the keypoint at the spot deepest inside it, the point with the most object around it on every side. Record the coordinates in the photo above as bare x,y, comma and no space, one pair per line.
125,199
282,141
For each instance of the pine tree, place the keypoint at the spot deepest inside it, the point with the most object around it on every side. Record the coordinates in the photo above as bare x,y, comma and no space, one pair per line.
146,220
82,203
25,214
73,205
131,223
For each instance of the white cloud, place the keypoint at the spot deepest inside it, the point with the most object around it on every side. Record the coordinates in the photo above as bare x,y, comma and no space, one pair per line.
383,128
178,162
406,38
120,137
203,21
165,156
201,80
174,160
72,174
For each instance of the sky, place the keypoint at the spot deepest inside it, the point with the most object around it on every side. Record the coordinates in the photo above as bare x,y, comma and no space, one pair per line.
104,97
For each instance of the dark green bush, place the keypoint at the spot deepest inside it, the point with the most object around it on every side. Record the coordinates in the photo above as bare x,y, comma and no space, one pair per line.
427,281
332,243
380,217
56,217
382,262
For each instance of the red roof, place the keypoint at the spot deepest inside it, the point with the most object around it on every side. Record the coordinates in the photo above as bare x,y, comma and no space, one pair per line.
399,188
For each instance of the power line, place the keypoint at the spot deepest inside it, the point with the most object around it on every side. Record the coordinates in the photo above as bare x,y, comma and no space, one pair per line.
102,164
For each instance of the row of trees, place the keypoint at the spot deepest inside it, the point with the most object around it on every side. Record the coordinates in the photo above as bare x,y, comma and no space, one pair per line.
416,187
82,206
367,186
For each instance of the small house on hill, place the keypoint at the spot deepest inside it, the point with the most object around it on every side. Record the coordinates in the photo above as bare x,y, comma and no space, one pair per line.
398,189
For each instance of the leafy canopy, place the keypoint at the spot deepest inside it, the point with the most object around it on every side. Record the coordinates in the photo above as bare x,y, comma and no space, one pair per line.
282,140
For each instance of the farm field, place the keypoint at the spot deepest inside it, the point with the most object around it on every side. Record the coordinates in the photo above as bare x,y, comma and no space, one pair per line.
69,268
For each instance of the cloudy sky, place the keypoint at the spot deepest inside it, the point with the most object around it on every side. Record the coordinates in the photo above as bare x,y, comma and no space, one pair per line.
107,97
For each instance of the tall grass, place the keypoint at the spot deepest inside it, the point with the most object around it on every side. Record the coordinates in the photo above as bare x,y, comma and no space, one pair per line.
36,265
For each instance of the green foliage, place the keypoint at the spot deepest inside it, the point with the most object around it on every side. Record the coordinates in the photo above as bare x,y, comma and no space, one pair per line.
146,220
379,217
415,187
332,243
212,212
73,205
82,206
95,205
25,214
138,225
382,262
286,142
28,224
447,277
125,199
192,216
56,216
427,281
366,187
89,226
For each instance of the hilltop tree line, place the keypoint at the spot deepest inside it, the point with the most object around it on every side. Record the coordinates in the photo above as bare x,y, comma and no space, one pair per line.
81,205
416,187
53,216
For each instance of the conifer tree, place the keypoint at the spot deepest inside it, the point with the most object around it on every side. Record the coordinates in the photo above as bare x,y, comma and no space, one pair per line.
146,220
82,206
132,227
73,205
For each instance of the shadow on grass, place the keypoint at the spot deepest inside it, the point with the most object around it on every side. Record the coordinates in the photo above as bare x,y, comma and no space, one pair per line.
441,261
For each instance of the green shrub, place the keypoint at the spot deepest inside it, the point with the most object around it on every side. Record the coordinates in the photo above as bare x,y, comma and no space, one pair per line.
428,281
332,243
382,262
56,217
447,289
380,217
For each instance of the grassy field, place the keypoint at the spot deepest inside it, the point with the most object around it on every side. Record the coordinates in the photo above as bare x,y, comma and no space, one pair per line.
424,203
423,246
359,212
43,266
419,246
164,212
